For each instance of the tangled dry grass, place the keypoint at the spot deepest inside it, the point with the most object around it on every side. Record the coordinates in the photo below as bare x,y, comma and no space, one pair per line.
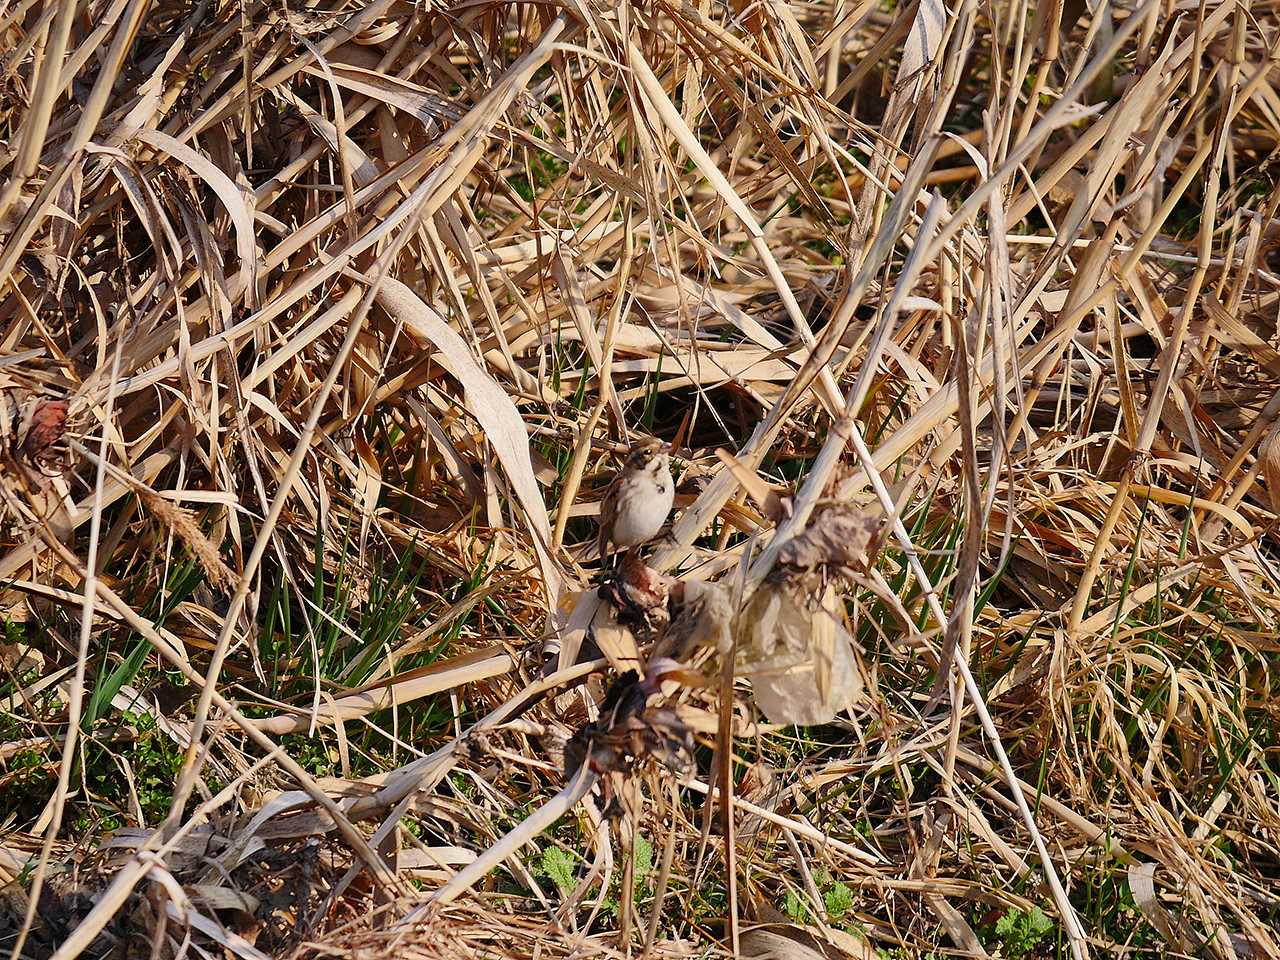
324,326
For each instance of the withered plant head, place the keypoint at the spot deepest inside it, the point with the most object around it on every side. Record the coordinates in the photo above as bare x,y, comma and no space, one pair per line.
635,728
839,536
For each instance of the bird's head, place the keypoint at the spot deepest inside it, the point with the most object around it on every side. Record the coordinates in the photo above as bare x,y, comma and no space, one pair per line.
651,456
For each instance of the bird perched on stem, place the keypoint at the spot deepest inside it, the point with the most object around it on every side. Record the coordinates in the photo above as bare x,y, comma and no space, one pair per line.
640,499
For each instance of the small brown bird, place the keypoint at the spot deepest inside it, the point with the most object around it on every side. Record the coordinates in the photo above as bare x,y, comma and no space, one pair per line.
640,499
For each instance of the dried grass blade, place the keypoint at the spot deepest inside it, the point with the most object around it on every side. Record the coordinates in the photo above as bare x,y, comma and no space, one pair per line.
492,407
238,202
396,691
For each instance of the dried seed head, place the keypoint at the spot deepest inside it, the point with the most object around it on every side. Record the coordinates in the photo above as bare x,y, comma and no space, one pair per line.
183,523
643,587
840,535
703,617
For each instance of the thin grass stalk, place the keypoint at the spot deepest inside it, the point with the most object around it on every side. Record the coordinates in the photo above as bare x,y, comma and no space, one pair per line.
75,701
